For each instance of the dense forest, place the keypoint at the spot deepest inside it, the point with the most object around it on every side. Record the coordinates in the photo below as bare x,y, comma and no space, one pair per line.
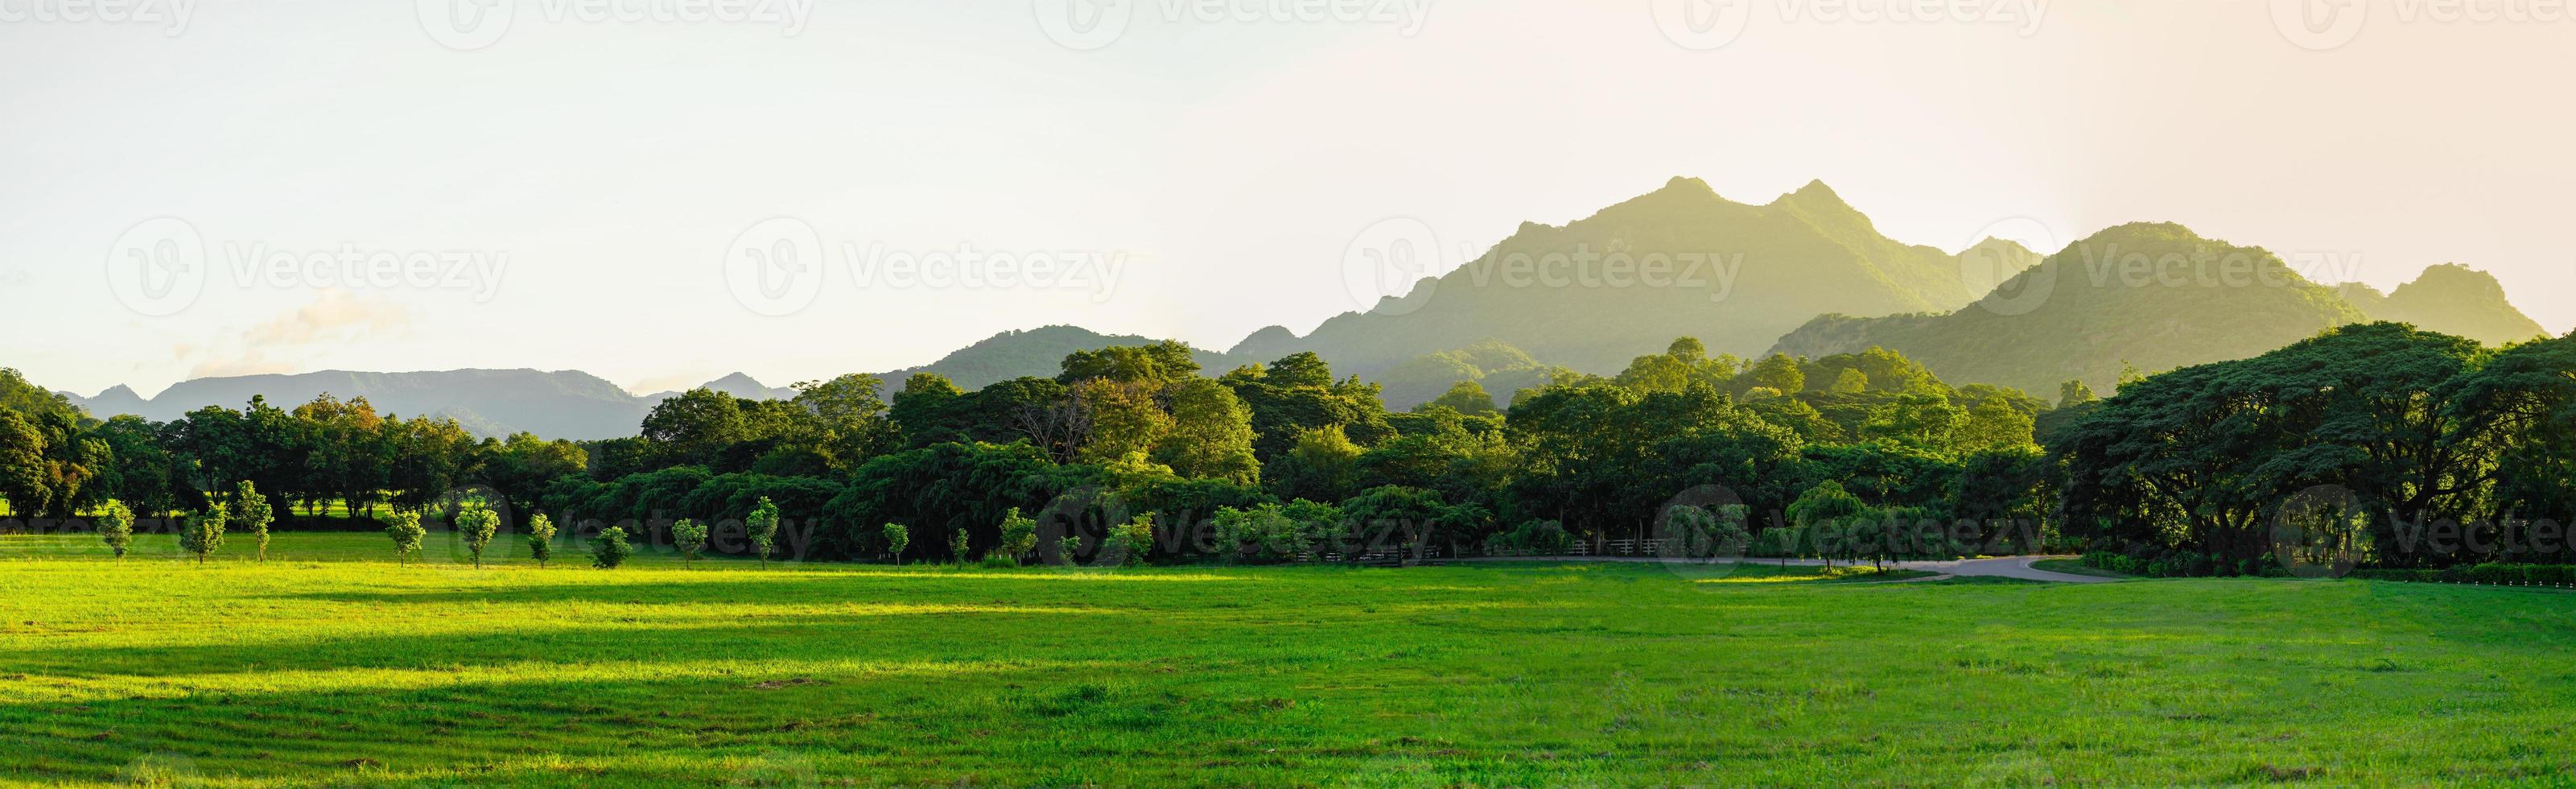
2372,444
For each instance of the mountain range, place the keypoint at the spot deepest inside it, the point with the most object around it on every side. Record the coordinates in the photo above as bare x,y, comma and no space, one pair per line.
1805,274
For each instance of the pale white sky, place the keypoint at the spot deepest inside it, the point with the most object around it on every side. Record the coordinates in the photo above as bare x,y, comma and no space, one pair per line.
1218,163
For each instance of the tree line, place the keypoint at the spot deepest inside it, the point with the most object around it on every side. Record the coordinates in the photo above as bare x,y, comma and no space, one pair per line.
2355,444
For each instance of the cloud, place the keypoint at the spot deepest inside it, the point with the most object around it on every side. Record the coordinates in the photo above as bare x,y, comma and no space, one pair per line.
336,316
278,345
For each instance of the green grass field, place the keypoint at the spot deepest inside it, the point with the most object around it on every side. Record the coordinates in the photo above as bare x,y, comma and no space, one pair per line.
329,664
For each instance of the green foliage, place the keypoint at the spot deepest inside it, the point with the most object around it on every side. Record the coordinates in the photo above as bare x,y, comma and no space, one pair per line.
1465,397
896,537
610,548
1134,540
116,527
477,524
404,529
203,534
1264,533
1019,535
763,525
690,537
252,514
1069,549
958,547
541,539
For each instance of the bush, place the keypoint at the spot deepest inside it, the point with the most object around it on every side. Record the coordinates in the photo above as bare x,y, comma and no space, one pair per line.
1070,549
1264,533
116,527
610,550
896,537
997,561
541,539
1135,538
253,514
690,537
763,525
957,546
477,523
404,529
1019,536
204,534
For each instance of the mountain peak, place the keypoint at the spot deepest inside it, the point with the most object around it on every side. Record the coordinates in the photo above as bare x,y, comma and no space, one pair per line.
1688,185
1815,195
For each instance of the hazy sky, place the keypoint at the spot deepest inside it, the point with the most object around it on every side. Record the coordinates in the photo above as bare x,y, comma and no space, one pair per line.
566,189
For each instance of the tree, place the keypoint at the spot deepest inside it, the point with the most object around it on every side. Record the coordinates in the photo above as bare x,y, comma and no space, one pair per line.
690,537
541,538
696,427
204,534
763,524
610,549
1829,518
1776,372
1069,548
2074,393
957,546
1135,539
251,513
477,523
1210,435
1464,397
404,529
1688,349
116,527
1849,382
1019,534
1125,419
896,537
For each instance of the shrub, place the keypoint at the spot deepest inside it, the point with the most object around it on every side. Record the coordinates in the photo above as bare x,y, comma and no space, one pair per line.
541,539
998,561
404,529
476,522
116,527
1136,538
957,546
1263,533
763,523
1019,535
896,537
253,514
1070,549
690,537
610,550
204,534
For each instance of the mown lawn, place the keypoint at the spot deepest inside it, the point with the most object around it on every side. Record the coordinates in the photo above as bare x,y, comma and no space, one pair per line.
336,667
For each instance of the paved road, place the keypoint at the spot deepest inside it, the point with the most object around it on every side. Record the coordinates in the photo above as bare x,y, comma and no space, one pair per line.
2005,567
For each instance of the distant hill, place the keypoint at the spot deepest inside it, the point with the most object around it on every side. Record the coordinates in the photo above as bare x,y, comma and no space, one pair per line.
2452,299
488,403
2083,313
1497,366
1742,276
1039,353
